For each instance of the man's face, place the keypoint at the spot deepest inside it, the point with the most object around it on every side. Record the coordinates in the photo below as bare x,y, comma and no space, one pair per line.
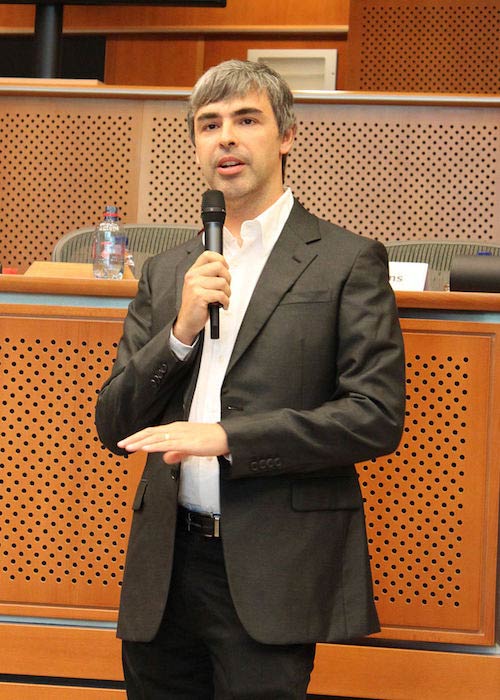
239,149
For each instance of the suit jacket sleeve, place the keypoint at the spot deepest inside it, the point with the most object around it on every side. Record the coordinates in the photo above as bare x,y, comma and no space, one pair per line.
143,389
362,417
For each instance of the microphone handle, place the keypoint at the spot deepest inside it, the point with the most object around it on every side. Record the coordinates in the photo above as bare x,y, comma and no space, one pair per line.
213,310
213,241
213,236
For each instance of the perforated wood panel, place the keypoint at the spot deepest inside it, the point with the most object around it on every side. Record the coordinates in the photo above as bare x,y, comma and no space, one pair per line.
61,162
424,46
64,499
400,173
171,186
427,504
390,172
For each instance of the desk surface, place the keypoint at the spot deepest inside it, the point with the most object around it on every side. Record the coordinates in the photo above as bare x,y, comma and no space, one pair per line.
68,279
67,270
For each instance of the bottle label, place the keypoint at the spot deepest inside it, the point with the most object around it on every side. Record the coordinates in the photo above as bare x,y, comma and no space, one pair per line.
109,257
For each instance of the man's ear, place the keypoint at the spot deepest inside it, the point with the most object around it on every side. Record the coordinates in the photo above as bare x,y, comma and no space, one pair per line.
287,140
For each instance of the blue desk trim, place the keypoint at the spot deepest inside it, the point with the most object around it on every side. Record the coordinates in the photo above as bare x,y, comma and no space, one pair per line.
64,300
444,315
57,622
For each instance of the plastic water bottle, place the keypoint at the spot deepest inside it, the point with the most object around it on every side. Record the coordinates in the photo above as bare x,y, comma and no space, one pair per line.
108,252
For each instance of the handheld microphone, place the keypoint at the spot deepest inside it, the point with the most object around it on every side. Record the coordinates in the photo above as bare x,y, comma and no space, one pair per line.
213,214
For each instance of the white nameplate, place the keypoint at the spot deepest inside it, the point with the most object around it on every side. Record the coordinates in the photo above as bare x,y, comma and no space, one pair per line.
407,276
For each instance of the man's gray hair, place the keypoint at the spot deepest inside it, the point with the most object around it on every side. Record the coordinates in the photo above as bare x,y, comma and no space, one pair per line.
236,79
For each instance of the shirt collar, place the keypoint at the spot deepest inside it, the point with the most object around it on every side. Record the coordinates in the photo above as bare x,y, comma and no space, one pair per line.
270,223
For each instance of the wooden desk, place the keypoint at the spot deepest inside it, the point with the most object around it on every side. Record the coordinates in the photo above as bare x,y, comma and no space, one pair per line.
431,507
67,270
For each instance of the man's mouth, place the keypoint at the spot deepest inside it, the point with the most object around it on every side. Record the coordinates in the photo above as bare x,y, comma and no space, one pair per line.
229,166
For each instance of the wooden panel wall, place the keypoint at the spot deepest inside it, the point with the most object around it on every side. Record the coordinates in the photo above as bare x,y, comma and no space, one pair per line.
428,504
392,172
424,46
431,507
392,45
173,46
179,60
61,163
65,500
259,13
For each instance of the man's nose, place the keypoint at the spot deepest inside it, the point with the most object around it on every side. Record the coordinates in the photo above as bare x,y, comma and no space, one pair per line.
227,135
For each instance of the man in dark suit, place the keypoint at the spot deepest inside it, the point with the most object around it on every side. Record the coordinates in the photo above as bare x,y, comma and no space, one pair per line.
248,541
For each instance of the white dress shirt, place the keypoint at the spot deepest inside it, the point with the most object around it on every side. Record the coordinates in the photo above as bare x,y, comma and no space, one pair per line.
199,482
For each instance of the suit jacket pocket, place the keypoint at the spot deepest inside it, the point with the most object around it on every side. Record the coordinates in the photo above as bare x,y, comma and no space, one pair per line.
139,494
307,296
326,493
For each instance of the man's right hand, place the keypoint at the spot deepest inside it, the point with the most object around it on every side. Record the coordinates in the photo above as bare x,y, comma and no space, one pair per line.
206,282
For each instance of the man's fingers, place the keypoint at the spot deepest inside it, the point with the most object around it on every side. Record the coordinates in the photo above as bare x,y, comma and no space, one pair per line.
214,294
145,438
179,438
214,270
209,256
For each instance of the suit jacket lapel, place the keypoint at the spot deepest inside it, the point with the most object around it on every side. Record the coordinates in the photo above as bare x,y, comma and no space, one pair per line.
289,258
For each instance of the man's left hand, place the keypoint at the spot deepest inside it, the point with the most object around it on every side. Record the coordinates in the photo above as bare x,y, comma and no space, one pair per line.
178,440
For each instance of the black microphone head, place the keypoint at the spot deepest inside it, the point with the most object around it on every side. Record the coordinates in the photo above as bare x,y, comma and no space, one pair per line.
213,207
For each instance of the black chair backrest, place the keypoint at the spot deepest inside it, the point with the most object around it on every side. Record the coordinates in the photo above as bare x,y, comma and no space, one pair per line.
439,255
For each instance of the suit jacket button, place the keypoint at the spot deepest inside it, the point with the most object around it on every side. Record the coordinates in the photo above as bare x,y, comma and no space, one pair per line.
174,473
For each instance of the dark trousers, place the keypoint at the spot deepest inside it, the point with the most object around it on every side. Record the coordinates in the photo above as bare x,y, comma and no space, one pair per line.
202,651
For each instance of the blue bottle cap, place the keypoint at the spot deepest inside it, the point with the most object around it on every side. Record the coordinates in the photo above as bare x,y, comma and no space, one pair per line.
111,211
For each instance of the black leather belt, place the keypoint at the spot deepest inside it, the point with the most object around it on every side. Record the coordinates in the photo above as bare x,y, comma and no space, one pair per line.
200,523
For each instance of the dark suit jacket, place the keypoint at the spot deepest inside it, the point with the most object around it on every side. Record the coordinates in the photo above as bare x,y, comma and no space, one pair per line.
315,383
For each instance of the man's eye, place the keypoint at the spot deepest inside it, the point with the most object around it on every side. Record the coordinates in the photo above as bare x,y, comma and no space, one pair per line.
248,120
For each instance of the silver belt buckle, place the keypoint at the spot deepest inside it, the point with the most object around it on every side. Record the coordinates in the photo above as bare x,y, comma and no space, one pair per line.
192,526
216,525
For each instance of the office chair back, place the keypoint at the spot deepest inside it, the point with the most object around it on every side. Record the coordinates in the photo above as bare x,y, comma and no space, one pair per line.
439,255
144,240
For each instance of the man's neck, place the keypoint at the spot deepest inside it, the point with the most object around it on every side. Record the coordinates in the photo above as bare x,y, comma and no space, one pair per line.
239,211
